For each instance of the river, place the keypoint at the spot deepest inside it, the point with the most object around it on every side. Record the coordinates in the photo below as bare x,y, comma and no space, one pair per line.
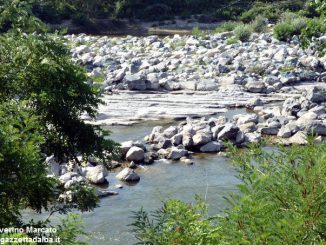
212,177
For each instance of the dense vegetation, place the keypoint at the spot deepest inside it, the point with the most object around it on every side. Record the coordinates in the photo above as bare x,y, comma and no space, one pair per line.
43,94
280,200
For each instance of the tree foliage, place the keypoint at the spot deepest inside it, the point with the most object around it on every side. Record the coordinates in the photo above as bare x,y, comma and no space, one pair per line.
43,94
23,180
280,200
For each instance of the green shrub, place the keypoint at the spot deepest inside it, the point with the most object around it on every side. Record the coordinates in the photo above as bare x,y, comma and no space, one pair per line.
259,24
243,32
231,41
283,31
280,200
289,27
196,32
267,10
226,26
314,29
175,223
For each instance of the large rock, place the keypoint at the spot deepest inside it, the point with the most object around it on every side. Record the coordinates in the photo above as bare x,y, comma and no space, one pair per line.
177,139
128,175
211,147
176,153
135,154
125,147
134,82
201,138
316,126
97,174
229,132
252,137
207,85
288,130
255,86
248,118
248,127
315,95
164,143
170,132
270,130
300,138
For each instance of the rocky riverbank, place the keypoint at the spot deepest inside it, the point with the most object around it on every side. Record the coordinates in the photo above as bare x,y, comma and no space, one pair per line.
193,78
148,78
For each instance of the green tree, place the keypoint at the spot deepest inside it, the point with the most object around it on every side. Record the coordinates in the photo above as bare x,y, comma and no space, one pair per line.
23,180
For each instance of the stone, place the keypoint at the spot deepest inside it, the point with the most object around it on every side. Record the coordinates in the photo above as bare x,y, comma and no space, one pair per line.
170,132
176,154
125,147
255,86
177,139
288,130
229,132
247,118
248,127
211,147
66,177
284,132
315,95
187,140
105,193
215,130
270,130
255,102
97,174
163,153
316,126
207,85
252,137
201,138
300,138
135,154
164,143
134,82
240,138
186,160
128,175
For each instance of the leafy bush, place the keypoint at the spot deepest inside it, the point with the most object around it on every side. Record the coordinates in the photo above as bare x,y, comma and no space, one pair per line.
243,32
283,31
315,28
259,24
175,223
266,10
226,26
196,32
281,200
289,27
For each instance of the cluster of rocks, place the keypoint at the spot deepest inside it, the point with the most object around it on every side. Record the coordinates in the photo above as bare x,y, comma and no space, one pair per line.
71,174
290,123
263,65
296,117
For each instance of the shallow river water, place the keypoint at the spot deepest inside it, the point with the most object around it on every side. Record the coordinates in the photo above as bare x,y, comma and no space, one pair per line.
212,177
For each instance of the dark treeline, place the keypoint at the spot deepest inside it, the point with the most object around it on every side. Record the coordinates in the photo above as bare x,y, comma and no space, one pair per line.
82,10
